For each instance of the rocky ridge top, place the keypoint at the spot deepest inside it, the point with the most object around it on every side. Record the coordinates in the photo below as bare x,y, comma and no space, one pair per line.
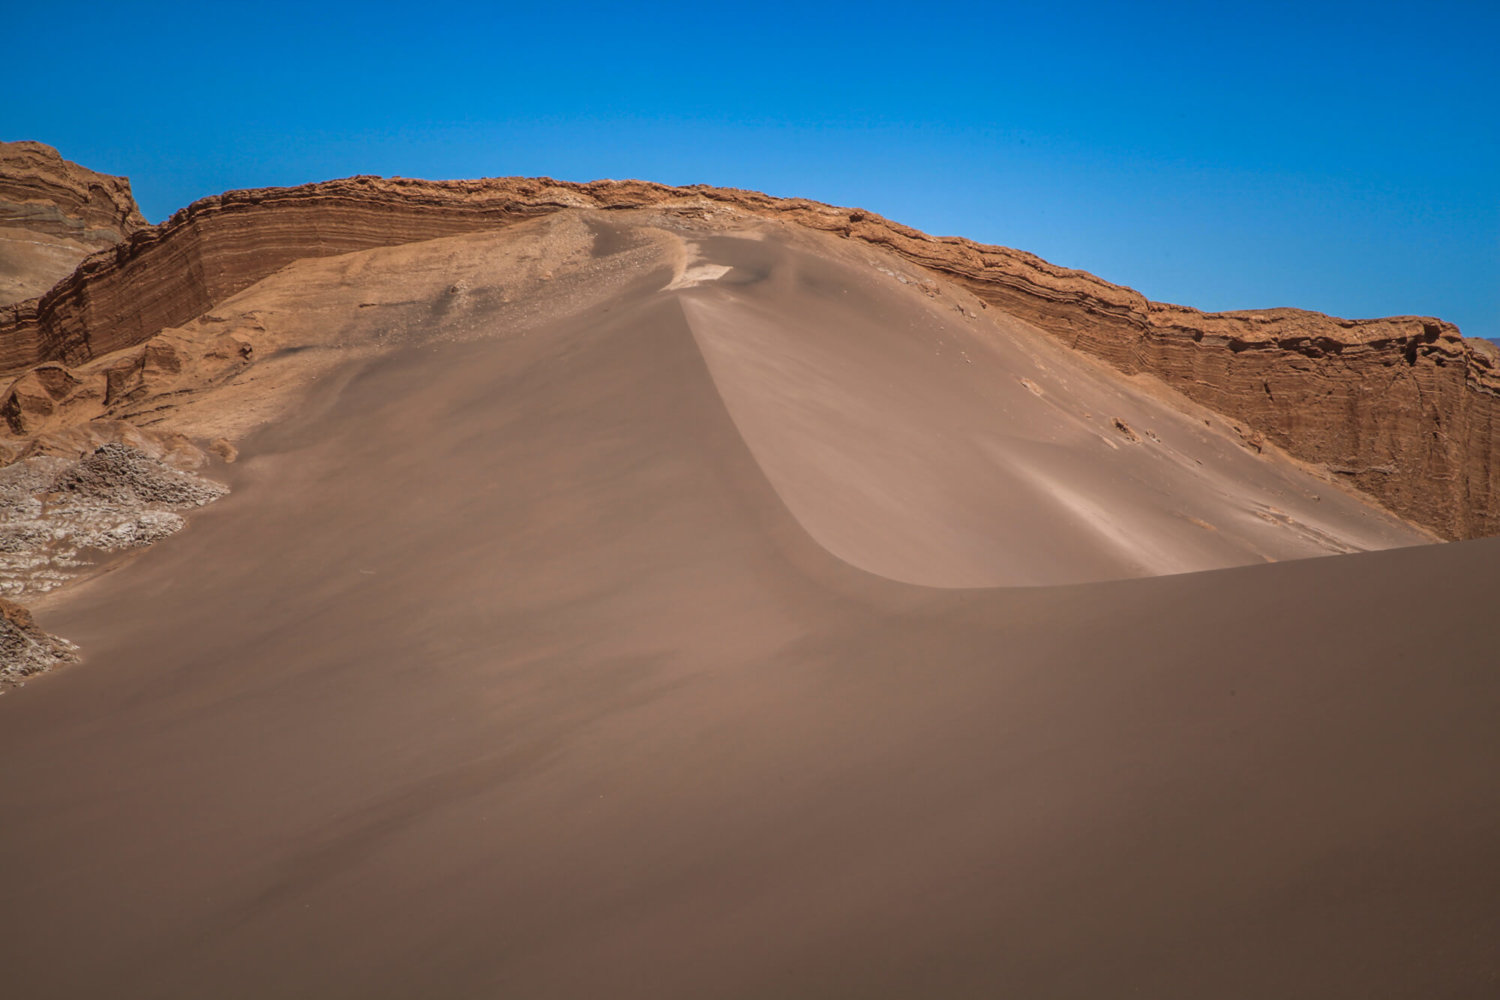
53,213
41,191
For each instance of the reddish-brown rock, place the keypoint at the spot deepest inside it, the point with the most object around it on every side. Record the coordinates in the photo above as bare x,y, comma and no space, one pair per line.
1402,407
53,213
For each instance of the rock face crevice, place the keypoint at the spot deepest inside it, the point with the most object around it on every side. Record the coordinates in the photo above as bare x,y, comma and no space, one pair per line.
1404,408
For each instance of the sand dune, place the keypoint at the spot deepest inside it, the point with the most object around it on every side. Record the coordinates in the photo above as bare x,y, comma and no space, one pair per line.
648,644
912,430
1402,407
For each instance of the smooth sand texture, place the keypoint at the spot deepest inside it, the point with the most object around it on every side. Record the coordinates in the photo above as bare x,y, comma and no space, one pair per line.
511,669
951,449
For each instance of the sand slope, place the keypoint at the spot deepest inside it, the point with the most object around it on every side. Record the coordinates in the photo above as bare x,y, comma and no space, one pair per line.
533,666
919,437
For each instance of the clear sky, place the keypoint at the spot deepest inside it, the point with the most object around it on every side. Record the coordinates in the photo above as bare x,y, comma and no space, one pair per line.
1340,157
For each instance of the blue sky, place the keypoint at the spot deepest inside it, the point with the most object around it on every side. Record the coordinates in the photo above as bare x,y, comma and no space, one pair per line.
1340,157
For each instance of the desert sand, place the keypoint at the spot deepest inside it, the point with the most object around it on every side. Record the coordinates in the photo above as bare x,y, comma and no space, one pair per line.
628,607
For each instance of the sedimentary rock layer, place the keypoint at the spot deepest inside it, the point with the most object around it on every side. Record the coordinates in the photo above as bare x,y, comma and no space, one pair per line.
40,190
53,213
1404,407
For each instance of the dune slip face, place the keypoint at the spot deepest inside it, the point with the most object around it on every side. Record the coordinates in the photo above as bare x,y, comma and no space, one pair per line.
923,438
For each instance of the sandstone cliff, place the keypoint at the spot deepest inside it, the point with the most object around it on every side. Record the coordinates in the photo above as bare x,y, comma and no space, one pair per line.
53,213
1403,408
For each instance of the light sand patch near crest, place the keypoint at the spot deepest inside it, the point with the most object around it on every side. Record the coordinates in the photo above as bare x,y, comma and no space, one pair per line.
690,268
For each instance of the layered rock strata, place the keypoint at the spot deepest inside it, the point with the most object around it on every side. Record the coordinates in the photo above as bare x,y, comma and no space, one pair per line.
53,213
1403,408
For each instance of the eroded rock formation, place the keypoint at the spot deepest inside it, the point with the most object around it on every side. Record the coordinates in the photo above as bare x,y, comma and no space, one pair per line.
53,213
1403,408
25,648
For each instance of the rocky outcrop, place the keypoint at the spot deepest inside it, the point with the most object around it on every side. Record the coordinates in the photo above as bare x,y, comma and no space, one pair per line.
1403,408
60,517
41,191
53,213
25,649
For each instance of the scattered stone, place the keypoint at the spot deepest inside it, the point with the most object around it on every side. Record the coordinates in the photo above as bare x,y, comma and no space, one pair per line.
117,474
57,514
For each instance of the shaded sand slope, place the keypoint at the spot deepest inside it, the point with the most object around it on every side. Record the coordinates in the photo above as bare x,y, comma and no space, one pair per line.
505,671
924,438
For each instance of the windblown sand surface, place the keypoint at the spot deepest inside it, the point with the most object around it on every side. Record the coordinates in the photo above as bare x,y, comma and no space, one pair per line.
670,644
